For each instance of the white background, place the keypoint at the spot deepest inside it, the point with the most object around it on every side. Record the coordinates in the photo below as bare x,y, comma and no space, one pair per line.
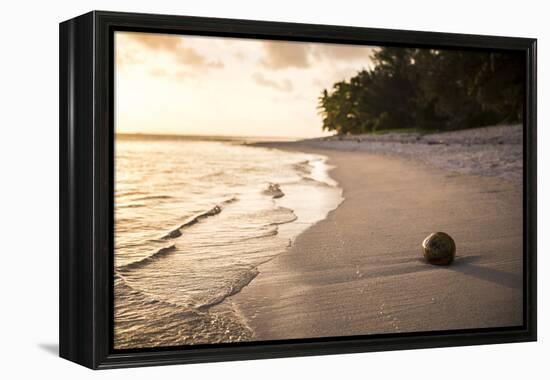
29,191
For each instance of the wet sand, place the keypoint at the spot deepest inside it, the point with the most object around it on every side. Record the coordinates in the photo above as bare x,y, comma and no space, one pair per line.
360,271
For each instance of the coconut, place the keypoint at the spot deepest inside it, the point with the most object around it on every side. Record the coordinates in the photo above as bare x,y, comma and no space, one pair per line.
439,248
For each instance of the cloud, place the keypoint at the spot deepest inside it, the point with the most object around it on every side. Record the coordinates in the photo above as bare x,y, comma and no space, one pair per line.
158,72
126,57
285,86
188,56
162,73
343,52
172,45
216,65
282,55
155,41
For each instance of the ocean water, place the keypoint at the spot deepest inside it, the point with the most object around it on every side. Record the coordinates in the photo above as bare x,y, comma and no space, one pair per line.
193,221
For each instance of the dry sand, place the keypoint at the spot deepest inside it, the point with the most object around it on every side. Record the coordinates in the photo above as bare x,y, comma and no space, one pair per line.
490,151
360,271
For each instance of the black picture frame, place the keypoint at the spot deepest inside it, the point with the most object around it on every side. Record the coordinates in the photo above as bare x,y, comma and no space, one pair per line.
86,189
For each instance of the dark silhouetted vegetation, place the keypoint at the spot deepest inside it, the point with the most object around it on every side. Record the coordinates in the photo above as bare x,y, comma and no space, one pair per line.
427,89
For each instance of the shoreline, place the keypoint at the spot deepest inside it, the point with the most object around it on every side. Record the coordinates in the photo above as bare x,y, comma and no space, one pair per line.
211,252
360,271
495,151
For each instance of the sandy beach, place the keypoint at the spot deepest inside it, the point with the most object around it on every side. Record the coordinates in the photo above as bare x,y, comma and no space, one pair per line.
360,271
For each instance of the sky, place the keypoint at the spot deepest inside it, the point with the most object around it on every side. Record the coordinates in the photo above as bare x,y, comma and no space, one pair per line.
212,86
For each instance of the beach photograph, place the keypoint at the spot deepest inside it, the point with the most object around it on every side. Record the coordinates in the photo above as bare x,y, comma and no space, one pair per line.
271,190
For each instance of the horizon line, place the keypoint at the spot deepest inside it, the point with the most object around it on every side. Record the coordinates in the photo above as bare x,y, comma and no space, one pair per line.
198,136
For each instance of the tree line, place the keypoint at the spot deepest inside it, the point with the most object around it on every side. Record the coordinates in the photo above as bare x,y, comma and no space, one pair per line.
427,89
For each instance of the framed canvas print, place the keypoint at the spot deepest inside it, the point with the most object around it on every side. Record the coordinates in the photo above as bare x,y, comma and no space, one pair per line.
237,189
